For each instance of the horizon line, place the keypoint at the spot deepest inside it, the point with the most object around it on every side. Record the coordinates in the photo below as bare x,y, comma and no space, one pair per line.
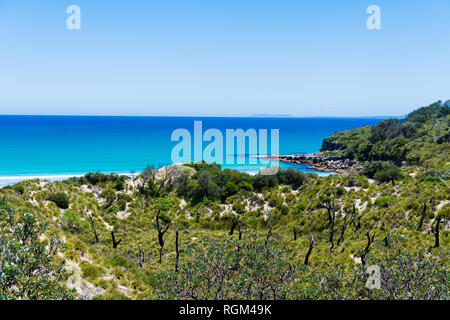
268,116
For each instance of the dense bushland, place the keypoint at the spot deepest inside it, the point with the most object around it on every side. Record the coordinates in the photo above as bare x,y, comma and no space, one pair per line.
196,231
29,267
420,138
311,239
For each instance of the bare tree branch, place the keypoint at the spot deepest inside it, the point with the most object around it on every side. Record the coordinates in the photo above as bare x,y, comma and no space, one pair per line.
93,227
161,233
311,246
115,243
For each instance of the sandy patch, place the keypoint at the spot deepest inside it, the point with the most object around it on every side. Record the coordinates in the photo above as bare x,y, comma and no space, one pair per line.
85,289
356,259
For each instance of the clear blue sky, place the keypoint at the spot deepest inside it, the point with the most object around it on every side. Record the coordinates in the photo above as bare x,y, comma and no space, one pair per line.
217,57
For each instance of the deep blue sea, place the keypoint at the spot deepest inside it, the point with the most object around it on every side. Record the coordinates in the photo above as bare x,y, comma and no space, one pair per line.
52,146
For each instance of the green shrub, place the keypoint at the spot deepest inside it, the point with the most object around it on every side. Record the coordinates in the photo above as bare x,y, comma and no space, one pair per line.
340,191
215,257
383,171
98,178
126,197
291,198
444,138
111,294
433,175
245,185
284,210
230,189
301,206
90,271
239,207
276,201
29,270
121,204
384,202
433,179
19,189
60,199
291,177
119,185
72,220
365,183
118,260
352,180
109,195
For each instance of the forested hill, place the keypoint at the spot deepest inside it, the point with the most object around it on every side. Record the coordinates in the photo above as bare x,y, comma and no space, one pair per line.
422,138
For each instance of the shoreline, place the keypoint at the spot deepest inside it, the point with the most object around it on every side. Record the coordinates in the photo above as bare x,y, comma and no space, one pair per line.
13,179
9,180
321,162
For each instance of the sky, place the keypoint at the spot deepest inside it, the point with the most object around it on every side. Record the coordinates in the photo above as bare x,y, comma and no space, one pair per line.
223,58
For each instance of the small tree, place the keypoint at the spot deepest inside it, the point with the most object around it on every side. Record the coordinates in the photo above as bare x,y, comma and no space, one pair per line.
181,183
72,220
216,270
295,178
406,275
383,171
148,178
27,268
109,194
390,174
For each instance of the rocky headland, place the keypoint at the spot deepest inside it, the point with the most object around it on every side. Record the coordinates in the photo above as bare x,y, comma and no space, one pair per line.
323,162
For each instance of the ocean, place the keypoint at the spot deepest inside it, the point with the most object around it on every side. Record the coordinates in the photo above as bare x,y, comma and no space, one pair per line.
56,147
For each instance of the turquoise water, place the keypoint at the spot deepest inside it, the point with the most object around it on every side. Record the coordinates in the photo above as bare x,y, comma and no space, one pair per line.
68,145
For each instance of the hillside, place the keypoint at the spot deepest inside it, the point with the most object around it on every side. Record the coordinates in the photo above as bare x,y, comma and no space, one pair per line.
422,138
196,231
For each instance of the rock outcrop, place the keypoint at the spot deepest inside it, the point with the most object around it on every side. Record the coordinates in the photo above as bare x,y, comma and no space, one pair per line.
323,162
